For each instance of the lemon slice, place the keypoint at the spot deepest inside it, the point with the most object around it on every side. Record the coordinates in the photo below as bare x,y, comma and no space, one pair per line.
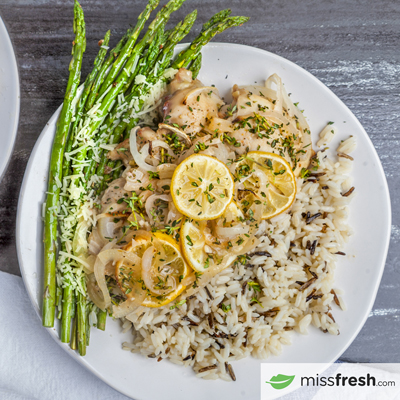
269,180
202,187
162,279
168,270
128,278
204,249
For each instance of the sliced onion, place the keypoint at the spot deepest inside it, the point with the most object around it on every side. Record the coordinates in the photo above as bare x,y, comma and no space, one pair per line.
166,170
89,263
105,257
137,156
96,242
152,199
80,243
146,267
231,232
173,213
135,179
139,233
197,91
107,228
94,292
163,182
127,306
112,208
159,143
279,97
179,132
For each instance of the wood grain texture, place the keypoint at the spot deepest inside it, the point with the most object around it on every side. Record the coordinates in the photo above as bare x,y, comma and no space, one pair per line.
351,46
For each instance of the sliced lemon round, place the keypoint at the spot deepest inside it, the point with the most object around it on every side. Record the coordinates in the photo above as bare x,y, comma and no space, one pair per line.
202,187
162,279
167,270
268,180
204,249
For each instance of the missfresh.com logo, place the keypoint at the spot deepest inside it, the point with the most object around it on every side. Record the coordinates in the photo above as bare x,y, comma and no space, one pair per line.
330,381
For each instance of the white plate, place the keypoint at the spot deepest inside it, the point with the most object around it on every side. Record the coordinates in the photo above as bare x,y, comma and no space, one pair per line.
358,273
9,98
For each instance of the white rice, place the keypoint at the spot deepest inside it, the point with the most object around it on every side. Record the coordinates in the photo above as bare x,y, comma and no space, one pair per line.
326,135
347,146
283,264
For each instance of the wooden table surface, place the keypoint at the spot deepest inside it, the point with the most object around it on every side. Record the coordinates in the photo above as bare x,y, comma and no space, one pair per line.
351,46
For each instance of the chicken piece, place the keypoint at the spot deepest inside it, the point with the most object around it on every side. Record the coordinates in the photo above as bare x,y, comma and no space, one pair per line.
190,104
121,152
145,135
112,194
251,123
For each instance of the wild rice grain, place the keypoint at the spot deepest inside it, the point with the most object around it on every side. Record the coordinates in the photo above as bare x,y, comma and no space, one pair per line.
312,218
345,156
229,370
211,320
310,296
312,248
349,192
304,286
260,253
208,292
209,368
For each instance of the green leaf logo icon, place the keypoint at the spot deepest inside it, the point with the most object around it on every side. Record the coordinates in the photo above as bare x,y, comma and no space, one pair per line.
281,381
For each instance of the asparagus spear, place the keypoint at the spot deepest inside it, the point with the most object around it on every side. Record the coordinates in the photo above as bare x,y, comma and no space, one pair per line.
196,66
74,335
186,56
82,100
55,173
128,49
81,318
101,320
67,310
215,19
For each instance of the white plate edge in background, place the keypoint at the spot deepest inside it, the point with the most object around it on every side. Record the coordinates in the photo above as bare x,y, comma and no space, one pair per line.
10,103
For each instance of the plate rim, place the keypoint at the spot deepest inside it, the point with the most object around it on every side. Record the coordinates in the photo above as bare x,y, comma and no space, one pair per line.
13,61
322,86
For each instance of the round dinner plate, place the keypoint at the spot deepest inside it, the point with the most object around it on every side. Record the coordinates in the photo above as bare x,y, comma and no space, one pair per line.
9,98
358,274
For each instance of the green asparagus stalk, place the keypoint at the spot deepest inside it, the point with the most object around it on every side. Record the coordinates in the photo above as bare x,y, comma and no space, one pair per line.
196,66
129,48
56,165
73,343
101,320
81,318
186,56
67,311
82,100
215,19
